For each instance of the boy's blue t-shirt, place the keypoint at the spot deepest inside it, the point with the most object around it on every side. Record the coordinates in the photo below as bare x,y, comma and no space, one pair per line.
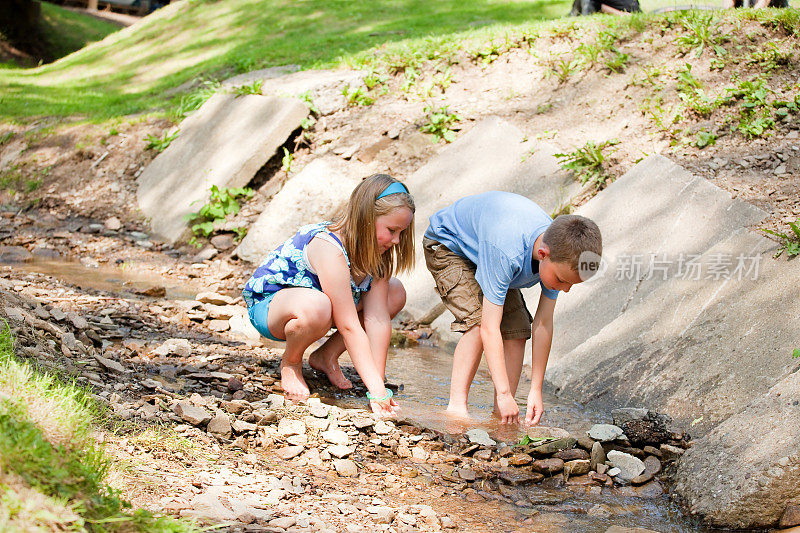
496,231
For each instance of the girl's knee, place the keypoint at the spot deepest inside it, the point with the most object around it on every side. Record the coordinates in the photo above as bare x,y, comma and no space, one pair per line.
397,296
315,312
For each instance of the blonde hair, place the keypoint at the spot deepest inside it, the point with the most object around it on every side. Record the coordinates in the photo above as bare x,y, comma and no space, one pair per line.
569,236
356,223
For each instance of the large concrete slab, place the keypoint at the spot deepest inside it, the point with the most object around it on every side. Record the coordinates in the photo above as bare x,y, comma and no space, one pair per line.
699,350
313,195
493,155
743,473
655,208
224,143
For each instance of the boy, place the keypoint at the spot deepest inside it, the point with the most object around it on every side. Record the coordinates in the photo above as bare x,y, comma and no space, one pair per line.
481,250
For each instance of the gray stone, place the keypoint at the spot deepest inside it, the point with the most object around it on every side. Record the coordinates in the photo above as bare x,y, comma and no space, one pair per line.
629,466
670,453
110,364
493,155
197,416
626,414
345,467
749,462
14,254
224,143
597,456
605,432
622,529
480,436
652,465
311,195
220,425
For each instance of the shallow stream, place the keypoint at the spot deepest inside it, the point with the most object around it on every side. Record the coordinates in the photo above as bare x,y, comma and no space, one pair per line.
423,375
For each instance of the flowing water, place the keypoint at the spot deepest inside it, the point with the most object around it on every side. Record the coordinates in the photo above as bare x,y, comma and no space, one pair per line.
423,376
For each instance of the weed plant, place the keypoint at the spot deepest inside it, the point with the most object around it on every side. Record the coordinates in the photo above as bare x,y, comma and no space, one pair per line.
588,162
705,138
357,96
789,243
440,122
249,88
159,144
192,101
221,203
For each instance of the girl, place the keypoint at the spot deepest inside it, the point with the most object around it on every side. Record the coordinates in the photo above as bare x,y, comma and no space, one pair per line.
339,273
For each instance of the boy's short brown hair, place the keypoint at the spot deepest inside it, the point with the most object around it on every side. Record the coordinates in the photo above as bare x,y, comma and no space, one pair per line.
569,236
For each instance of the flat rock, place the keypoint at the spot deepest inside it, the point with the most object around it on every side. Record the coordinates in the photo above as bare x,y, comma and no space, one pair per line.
605,432
549,448
572,454
548,466
629,466
345,467
480,436
335,436
287,427
312,195
220,425
212,151
516,477
340,451
14,254
214,298
652,465
289,452
179,347
576,467
383,427
197,416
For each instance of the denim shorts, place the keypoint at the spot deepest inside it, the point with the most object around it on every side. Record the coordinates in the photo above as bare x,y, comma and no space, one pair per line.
258,316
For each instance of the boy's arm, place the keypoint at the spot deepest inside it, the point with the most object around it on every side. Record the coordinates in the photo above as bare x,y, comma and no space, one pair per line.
542,330
491,316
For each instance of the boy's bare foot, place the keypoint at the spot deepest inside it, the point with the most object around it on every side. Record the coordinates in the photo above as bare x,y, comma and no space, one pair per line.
330,367
292,381
458,412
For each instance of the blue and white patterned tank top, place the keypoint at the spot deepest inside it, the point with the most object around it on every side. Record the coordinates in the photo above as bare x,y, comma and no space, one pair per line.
287,266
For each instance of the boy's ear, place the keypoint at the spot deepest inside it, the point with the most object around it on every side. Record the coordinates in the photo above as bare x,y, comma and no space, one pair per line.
543,252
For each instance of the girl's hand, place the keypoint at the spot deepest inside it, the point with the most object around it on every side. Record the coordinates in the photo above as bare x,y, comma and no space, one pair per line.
384,409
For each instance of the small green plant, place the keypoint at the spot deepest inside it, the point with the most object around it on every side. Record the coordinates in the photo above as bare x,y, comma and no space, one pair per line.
440,122
7,136
488,53
221,203
159,144
587,162
770,57
617,62
192,101
700,32
374,78
790,243
705,138
589,52
563,69
755,116
287,160
357,95
796,353
249,88
309,101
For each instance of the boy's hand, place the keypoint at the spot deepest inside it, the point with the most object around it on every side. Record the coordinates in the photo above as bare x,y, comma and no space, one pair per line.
508,408
535,407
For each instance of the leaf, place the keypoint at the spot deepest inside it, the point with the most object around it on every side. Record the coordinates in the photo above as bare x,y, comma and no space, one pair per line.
796,353
795,228
449,136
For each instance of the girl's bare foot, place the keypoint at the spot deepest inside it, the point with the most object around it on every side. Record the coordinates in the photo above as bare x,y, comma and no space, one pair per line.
330,367
292,381
458,413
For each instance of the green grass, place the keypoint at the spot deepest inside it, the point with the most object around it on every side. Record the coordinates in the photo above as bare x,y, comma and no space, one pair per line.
52,470
130,71
67,31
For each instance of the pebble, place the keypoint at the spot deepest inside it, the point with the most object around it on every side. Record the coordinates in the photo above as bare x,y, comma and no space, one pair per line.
480,436
340,451
629,466
335,436
220,425
382,427
345,467
605,432
197,416
289,452
548,466
287,427
597,456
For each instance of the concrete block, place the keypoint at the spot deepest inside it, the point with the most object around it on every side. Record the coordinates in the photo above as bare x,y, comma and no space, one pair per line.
224,143
655,208
313,195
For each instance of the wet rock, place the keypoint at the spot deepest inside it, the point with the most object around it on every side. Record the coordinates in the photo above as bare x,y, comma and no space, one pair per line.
652,465
289,452
480,437
516,477
545,432
576,467
345,467
155,291
642,478
548,466
586,442
597,456
626,414
650,450
197,416
621,529
287,427
220,425
643,428
629,466
110,364
605,432
520,459
791,516
572,454
556,446
179,347
651,490
670,453
600,511
14,254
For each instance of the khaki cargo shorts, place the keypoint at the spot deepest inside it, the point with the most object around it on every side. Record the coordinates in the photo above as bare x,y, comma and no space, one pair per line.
461,294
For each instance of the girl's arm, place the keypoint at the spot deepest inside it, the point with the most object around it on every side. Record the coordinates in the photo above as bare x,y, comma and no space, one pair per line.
377,322
334,276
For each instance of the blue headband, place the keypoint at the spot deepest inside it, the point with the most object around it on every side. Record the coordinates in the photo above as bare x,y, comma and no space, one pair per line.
394,188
